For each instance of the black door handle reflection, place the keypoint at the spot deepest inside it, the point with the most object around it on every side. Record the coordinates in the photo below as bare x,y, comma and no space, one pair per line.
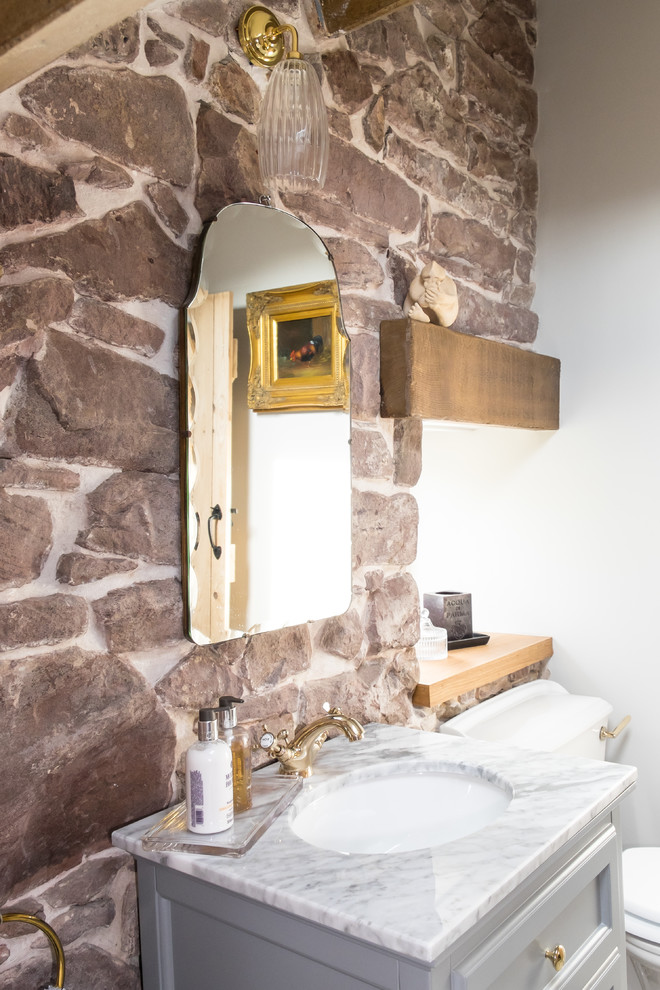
216,514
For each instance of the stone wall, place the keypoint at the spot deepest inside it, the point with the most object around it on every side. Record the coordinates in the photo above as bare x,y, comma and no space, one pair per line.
110,160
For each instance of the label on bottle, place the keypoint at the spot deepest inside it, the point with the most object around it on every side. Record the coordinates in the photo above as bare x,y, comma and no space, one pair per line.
196,797
209,787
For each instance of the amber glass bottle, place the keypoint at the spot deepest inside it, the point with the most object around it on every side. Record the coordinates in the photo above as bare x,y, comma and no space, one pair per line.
238,739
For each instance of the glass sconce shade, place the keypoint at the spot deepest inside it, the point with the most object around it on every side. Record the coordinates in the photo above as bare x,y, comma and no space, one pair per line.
293,129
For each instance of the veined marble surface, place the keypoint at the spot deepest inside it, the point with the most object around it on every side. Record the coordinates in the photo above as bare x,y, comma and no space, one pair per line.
415,903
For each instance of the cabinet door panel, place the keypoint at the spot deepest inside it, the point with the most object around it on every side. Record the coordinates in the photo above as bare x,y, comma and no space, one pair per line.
208,953
574,910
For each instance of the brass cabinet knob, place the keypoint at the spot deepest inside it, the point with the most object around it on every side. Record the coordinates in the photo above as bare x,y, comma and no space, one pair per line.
557,956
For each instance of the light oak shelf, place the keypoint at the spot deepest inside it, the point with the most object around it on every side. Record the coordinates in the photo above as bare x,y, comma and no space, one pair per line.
433,372
467,669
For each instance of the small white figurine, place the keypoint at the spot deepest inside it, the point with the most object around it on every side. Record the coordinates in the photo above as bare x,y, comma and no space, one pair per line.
432,296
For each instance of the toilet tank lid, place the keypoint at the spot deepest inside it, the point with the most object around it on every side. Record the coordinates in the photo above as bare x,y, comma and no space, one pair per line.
538,715
641,883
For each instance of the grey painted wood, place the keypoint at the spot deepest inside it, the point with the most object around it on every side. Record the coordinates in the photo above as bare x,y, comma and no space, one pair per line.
194,933
574,910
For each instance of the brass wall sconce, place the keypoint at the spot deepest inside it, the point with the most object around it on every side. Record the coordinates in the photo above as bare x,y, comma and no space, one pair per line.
292,132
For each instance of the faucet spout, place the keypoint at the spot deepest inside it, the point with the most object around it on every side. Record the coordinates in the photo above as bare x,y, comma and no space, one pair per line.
296,756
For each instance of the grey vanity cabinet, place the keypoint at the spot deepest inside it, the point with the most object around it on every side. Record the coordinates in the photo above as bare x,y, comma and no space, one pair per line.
195,934
577,907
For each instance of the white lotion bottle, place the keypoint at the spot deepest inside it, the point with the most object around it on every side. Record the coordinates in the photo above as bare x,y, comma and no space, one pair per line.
209,779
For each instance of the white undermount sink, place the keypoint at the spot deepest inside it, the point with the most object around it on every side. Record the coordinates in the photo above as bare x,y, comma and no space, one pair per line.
397,809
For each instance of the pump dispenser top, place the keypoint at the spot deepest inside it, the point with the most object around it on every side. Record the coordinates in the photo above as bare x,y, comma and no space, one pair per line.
238,739
207,725
227,711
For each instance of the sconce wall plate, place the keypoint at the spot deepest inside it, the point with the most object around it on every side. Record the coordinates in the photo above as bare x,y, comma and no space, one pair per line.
260,36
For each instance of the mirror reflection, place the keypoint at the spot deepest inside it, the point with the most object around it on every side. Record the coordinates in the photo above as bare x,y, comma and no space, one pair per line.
266,425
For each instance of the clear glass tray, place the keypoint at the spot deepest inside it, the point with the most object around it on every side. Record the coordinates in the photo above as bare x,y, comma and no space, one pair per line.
270,796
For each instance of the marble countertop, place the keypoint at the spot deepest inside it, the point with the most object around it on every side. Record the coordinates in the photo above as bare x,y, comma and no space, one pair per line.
415,903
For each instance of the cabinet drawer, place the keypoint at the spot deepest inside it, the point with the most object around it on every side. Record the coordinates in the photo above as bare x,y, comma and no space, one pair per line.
574,910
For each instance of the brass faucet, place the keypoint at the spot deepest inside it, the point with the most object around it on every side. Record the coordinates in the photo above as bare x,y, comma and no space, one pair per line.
296,756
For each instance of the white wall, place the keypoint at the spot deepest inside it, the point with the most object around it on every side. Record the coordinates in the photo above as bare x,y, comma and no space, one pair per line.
558,533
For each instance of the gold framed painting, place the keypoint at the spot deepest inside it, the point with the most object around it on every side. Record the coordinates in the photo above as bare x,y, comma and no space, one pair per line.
298,357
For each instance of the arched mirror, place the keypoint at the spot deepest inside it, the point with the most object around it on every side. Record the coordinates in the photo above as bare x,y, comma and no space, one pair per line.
266,486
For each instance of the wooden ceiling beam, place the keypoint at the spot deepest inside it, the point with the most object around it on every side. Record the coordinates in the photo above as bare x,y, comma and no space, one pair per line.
34,33
346,15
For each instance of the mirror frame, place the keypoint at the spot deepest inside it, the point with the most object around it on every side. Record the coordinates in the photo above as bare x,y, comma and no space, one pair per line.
184,424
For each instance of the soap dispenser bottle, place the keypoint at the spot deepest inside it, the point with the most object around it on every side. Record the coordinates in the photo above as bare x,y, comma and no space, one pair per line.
237,738
209,779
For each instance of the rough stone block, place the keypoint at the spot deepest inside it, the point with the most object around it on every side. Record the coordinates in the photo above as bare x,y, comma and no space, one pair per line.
124,255
26,131
32,306
380,40
447,16
90,966
25,536
356,266
165,36
369,189
347,79
80,568
167,207
380,691
114,326
384,528
474,243
204,14
17,474
31,194
370,457
94,406
196,59
42,621
417,105
136,515
321,212
92,740
137,120
203,674
342,635
501,35
392,619
365,372
373,124
234,90
490,161
437,176
119,43
141,617
229,169
157,53
487,318
83,918
497,91
272,657
98,171
87,881
407,437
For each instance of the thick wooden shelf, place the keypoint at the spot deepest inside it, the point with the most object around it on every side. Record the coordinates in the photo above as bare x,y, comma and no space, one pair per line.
467,669
437,373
